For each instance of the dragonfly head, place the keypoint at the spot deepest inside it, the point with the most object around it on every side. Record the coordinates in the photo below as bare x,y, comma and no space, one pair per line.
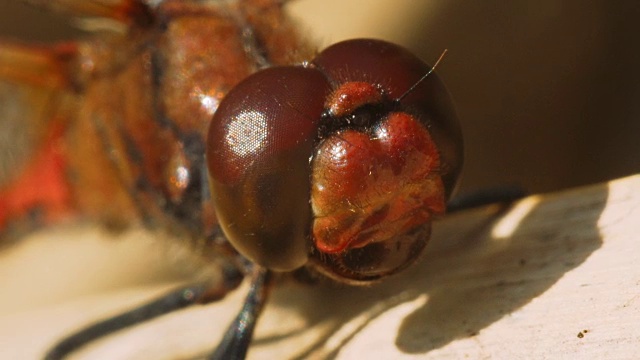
334,164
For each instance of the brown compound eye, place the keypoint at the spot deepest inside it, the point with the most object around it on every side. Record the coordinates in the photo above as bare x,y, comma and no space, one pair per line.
335,165
258,149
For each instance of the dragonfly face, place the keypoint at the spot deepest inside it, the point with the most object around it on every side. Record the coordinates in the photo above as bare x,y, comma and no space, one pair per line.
338,135
332,165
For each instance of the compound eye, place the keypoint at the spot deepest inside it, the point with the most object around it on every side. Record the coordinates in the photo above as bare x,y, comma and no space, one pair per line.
258,149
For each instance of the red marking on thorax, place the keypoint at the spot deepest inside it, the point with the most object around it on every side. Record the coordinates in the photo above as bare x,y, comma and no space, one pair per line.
41,185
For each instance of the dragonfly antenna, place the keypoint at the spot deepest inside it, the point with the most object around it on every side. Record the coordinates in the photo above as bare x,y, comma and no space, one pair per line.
423,77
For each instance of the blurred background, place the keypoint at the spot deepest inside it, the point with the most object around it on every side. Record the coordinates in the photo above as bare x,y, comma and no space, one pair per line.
548,92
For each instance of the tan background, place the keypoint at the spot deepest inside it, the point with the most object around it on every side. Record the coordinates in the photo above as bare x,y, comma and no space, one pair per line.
548,91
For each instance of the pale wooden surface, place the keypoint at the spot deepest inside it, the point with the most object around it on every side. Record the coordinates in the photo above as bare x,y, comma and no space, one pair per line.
522,285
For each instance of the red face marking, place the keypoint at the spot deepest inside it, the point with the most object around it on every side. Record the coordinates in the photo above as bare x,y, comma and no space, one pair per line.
369,187
352,95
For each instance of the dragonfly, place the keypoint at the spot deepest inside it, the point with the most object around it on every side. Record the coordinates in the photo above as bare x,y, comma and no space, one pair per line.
216,122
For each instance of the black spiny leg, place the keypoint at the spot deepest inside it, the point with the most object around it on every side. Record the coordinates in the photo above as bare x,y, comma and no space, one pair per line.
175,300
236,340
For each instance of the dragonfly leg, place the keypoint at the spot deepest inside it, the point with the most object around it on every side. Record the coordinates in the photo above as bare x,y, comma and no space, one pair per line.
505,195
175,300
237,338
